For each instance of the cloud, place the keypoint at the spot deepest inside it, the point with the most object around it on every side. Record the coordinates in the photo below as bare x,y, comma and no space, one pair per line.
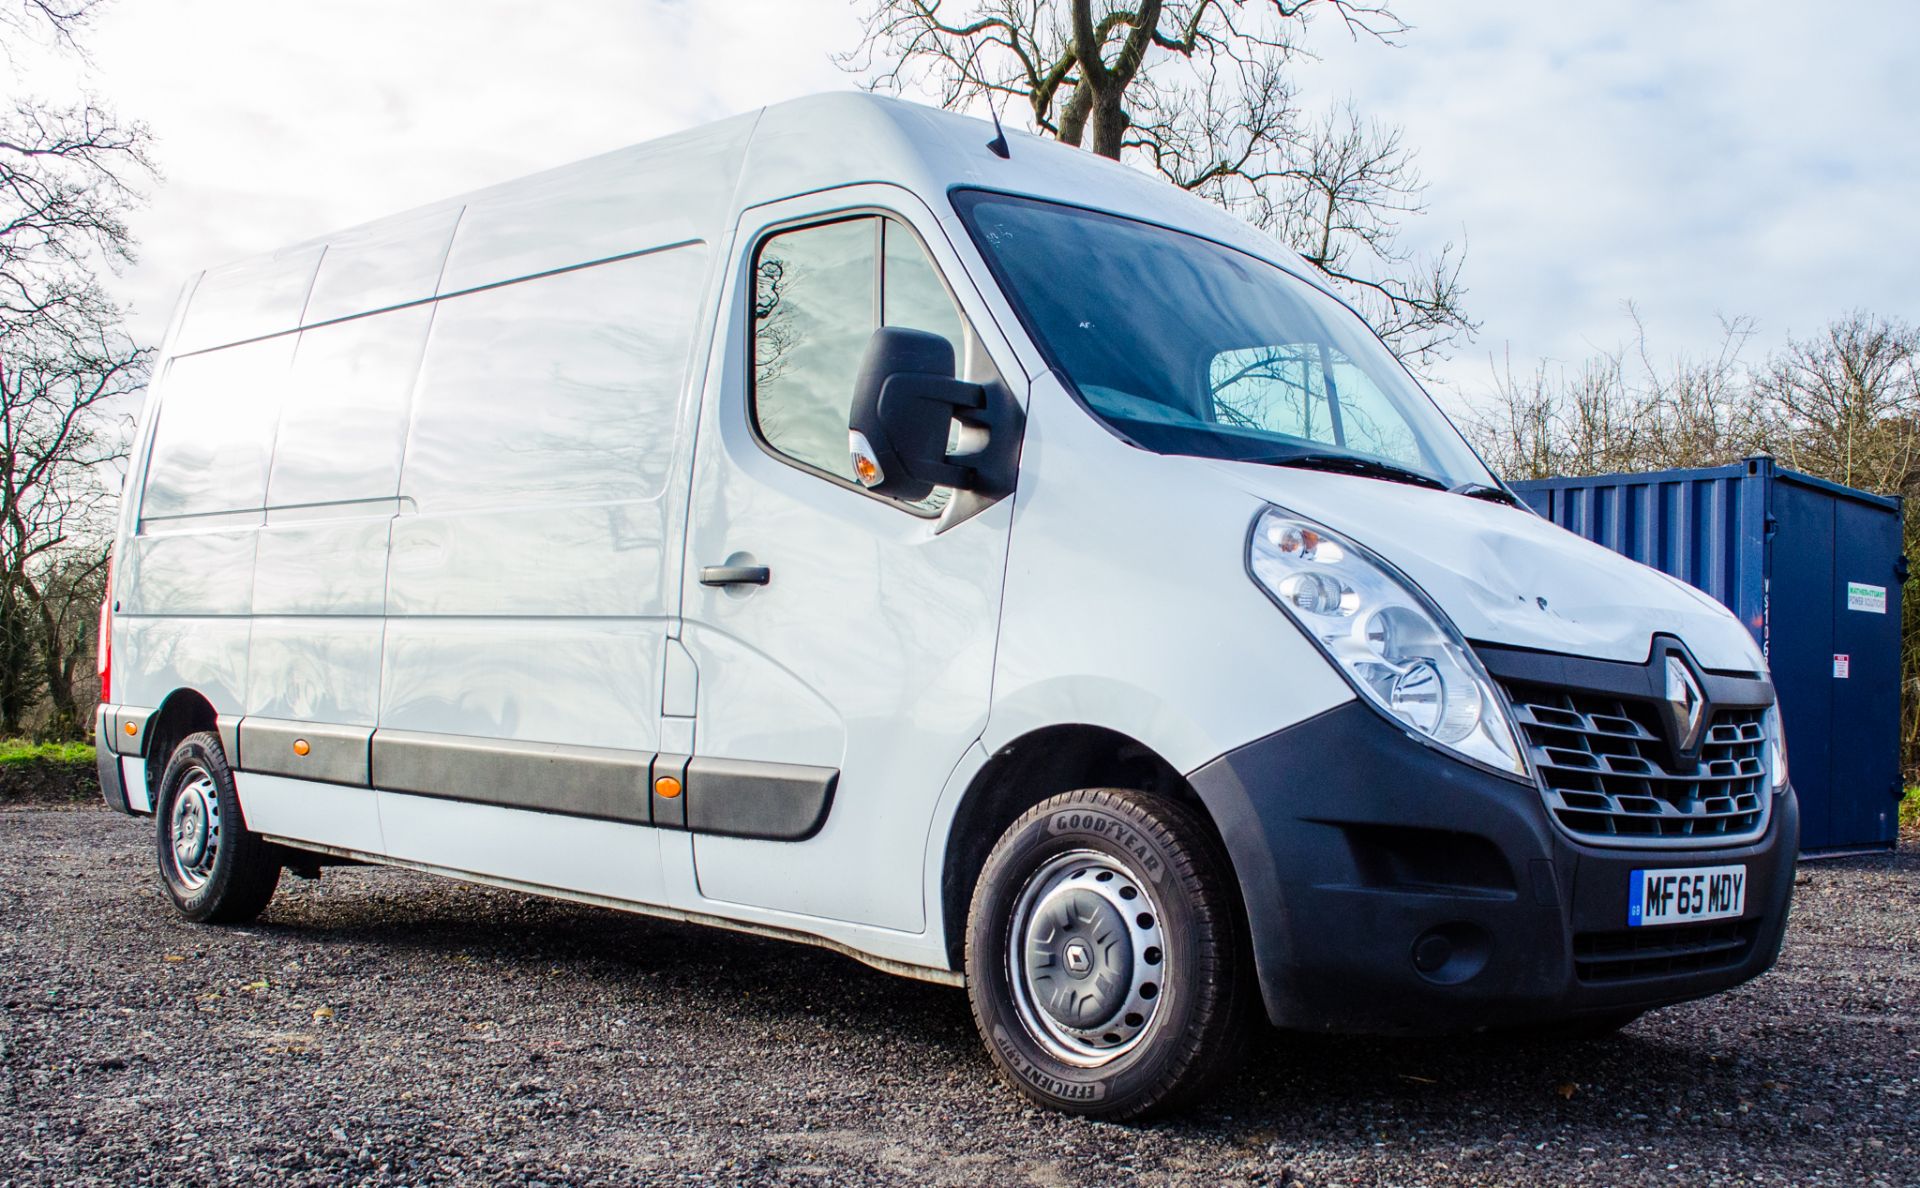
1706,158
1699,159
277,123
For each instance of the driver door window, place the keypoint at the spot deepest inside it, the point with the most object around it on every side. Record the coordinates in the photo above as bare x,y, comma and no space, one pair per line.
819,294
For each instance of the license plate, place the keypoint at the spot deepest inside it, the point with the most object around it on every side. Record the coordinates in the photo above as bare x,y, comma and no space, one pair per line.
1686,895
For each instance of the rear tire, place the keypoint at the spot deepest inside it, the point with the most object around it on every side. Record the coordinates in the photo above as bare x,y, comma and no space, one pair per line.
215,869
1104,959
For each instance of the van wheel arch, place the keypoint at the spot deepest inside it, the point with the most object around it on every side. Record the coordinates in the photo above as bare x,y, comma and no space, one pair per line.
1038,765
183,712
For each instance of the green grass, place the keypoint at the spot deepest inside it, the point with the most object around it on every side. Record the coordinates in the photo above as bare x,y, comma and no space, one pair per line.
1910,810
15,751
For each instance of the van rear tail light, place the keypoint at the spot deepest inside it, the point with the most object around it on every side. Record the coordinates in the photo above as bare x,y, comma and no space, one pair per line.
104,648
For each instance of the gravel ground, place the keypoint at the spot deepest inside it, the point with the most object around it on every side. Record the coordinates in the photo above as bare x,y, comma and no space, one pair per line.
385,1027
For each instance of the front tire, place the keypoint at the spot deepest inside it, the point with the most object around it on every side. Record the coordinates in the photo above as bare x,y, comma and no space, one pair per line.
1104,960
215,869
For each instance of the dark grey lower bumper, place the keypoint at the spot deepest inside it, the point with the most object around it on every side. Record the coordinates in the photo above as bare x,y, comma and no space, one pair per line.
113,789
1390,888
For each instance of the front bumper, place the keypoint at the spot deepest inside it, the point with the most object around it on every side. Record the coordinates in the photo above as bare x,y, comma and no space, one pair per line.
1391,888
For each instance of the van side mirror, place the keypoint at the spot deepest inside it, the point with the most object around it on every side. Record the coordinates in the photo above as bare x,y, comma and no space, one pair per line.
904,402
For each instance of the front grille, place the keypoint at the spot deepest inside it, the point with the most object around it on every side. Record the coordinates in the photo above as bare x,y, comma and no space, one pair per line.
1607,775
1662,951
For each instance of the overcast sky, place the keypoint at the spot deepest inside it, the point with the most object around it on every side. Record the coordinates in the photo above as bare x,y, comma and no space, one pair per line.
1699,157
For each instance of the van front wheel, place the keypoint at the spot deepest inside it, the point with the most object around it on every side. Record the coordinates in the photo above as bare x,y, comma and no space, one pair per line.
215,869
1103,955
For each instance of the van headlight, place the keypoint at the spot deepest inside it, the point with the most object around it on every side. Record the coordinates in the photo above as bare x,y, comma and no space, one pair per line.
1776,745
1380,631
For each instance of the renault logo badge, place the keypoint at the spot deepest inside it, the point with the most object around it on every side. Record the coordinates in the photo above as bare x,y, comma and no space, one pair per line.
1686,703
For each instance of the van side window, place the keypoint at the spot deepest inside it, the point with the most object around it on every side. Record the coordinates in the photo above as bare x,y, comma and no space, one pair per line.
819,294
814,308
912,293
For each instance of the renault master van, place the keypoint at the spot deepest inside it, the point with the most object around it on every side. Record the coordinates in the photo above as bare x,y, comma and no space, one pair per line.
969,554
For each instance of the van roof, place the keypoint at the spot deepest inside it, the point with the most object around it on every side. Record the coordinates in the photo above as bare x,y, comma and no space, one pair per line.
675,189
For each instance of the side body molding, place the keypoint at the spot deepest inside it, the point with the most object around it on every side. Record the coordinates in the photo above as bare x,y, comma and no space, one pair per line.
773,801
579,781
305,750
728,797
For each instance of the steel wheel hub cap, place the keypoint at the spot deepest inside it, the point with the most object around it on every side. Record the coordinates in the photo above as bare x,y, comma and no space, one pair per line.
194,829
1086,957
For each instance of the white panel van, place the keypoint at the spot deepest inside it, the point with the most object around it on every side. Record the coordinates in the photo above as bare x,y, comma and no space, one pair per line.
969,554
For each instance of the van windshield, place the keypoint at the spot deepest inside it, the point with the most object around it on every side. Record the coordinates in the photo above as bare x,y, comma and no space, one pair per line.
1184,346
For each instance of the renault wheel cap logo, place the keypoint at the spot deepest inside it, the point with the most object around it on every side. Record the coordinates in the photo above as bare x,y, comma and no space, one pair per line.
1687,703
1079,959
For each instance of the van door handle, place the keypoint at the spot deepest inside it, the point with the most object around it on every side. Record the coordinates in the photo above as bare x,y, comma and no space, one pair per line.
735,575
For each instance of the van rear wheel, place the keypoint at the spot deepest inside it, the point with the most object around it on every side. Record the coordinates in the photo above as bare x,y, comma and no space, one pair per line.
1104,959
214,868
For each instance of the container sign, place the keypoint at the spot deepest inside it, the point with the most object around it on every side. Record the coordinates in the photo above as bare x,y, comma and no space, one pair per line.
1862,597
1842,663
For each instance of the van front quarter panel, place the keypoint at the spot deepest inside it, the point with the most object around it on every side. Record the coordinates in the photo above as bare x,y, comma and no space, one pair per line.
1128,604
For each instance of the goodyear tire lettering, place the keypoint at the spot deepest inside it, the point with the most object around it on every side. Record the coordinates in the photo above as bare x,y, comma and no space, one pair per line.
1111,829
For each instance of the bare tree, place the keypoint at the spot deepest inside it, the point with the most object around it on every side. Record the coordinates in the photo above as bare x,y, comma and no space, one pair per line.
1557,420
1202,92
69,174
1846,405
68,178
55,22
1621,410
55,506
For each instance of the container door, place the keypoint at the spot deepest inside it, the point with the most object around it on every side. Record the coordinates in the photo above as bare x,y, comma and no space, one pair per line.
1866,703
843,642
1800,646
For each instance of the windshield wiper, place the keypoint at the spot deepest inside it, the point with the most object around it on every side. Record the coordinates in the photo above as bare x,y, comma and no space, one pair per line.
1488,492
1348,464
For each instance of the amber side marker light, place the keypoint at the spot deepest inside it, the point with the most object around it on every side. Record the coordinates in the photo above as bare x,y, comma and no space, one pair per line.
300,746
666,787
866,466
130,728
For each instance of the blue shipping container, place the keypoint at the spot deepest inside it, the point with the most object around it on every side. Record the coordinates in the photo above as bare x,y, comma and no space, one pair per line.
1814,571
